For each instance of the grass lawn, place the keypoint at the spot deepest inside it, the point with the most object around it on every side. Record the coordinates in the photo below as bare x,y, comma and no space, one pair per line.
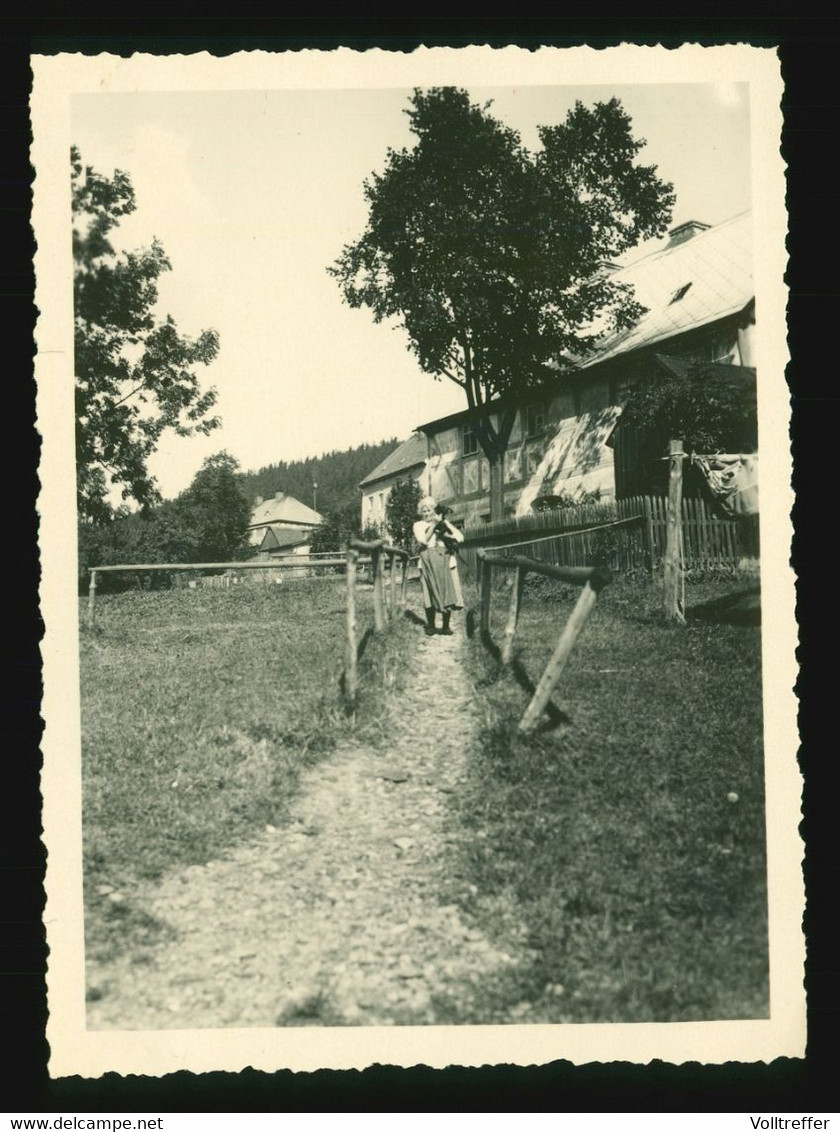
640,876
199,710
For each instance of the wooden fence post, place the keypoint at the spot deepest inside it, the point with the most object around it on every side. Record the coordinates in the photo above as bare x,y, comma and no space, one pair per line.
92,599
673,534
513,615
651,544
486,582
555,666
392,587
404,581
350,677
378,606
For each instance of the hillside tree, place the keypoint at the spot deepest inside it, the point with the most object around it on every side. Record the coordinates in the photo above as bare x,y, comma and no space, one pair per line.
135,372
488,255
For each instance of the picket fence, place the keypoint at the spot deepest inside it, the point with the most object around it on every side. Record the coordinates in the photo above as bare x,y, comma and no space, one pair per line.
627,534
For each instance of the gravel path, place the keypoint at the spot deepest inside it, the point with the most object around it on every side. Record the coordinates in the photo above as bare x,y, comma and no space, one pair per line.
341,917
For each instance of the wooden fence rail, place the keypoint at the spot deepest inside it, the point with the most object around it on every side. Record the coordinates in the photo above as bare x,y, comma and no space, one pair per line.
592,579
378,550
183,567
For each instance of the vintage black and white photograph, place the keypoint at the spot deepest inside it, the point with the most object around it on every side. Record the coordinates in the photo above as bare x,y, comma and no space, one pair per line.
412,560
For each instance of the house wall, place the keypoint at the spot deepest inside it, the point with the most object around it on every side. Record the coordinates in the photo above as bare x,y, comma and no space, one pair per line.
375,496
569,453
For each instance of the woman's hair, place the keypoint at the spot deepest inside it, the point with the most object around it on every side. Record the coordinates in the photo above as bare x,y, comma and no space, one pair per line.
426,501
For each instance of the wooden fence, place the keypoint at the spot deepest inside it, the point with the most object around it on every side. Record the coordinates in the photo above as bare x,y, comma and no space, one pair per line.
233,568
592,580
379,551
628,534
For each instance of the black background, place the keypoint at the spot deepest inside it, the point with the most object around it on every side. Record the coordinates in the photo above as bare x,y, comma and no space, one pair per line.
809,48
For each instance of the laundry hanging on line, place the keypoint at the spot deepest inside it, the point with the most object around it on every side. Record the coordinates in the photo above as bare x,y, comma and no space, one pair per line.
733,480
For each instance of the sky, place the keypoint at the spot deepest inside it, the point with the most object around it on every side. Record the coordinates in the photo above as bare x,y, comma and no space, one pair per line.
253,194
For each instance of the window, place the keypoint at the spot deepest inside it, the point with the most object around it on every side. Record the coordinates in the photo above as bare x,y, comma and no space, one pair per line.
680,293
535,420
469,441
594,396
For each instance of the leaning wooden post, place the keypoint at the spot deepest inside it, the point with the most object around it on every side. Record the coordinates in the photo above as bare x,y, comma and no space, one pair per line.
673,534
571,632
392,586
513,615
485,584
378,606
404,581
92,598
350,677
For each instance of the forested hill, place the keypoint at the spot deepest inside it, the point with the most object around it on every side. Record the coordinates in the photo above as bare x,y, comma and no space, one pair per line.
337,474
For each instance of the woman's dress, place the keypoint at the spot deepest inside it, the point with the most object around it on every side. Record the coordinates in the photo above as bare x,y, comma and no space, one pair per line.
438,571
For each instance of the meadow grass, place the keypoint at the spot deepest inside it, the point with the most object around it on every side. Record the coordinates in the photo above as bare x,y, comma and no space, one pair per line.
640,876
610,834
200,709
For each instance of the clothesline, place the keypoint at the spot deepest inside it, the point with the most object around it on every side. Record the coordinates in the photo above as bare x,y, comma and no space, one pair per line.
566,534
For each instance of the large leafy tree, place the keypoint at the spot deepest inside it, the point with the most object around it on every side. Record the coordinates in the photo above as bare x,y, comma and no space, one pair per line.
135,373
489,254
215,512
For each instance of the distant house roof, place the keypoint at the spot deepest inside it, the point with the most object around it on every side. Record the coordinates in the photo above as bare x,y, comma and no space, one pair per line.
410,454
689,283
282,538
284,508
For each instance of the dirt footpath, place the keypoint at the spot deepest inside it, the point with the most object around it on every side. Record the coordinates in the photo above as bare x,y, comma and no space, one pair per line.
345,916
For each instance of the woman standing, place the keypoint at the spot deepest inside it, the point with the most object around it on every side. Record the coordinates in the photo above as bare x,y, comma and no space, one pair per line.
438,564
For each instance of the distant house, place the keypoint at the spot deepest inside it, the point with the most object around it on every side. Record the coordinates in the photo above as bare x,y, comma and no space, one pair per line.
281,513
280,542
406,461
699,300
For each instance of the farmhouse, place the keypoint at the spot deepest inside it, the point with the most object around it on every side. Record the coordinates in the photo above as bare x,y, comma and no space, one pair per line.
409,460
280,519
699,300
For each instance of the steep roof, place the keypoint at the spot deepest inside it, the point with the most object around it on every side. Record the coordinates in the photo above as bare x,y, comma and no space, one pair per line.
277,538
686,285
409,454
284,508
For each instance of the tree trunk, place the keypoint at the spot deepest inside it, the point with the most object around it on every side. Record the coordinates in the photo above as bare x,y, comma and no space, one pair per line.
497,486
